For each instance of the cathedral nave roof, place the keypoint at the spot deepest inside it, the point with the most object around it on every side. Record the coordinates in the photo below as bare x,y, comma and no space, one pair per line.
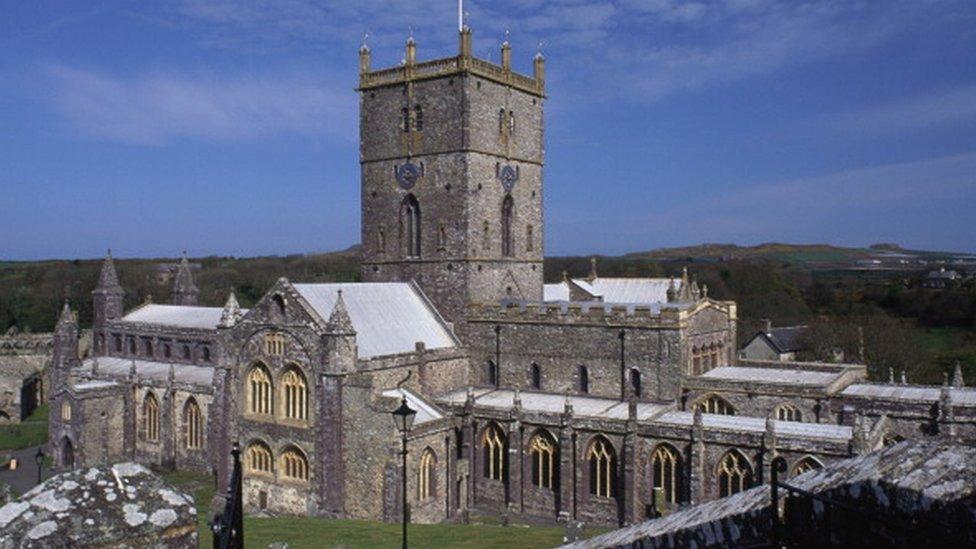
181,316
146,369
604,408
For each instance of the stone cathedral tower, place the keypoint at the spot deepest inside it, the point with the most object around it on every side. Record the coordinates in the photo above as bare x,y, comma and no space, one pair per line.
451,152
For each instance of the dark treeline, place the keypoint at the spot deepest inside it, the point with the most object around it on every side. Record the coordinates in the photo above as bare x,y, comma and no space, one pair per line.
886,318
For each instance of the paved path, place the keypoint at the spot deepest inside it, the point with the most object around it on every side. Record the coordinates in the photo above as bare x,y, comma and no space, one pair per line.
25,476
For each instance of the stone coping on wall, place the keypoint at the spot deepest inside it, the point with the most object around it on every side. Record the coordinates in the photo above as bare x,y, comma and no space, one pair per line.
928,486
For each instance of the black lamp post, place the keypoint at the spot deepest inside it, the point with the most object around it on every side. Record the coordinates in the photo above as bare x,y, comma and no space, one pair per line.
39,460
403,417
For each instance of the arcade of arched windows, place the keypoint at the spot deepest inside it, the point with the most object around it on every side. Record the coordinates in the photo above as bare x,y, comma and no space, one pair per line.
707,356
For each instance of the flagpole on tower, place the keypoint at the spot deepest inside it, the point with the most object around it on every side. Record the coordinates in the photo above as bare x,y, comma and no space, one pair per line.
460,15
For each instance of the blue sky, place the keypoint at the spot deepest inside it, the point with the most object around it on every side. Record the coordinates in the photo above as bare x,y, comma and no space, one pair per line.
230,126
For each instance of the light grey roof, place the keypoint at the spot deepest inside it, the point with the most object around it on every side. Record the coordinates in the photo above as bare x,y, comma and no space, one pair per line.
88,385
389,317
616,290
555,403
145,369
758,425
965,396
772,375
426,412
181,316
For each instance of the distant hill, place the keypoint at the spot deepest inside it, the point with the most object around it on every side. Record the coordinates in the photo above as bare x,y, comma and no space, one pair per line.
815,256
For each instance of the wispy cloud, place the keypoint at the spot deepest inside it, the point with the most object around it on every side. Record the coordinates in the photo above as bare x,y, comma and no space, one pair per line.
813,206
157,107
939,108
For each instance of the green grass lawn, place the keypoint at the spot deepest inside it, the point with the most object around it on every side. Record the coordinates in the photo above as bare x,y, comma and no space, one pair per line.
325,533
30,432
944,346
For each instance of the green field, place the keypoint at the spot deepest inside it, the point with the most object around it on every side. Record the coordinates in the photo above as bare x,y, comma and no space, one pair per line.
30,432
944,347
326,533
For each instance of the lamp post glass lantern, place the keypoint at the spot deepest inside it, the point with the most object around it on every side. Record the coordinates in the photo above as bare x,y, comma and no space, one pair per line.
403,418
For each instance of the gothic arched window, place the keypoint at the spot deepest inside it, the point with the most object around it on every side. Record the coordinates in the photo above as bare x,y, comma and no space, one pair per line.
295,391
788,412
186,352
259,396
542,452
584,379
603,467
259,458
410,224
493,452
805,465
536,374
193,424
714,404
426,475
635,382
294,465
508,205
666,469
734,474
150,417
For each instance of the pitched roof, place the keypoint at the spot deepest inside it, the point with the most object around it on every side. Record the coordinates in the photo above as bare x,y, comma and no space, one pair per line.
426,411
182,316
389,317
150,370
786,339
596,407
615,290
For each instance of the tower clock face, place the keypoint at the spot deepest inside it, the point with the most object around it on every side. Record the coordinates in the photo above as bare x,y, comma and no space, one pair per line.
407,175
508,177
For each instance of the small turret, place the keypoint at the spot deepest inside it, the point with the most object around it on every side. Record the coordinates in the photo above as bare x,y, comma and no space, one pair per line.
957,376
340,339
411,54
185,292
65,342
592,276
506,56
539,69
464,42
365,57
107,296
231,313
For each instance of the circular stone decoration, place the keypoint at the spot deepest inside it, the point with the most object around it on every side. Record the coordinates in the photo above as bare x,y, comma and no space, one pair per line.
407,175
509,176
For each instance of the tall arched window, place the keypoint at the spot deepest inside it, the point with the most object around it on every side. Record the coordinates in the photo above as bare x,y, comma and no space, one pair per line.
696,368
788,412
193,424
666,465
734,474
418,118
501,121
507,206
150,417
259,397
493,451
584,379
542,452
805,465
65,411
603,467
529,238
410,225
149,348
295,391
206,354
259,458
405,120
635,382
491,373
714,404
536,375
425,475
294,465
186,352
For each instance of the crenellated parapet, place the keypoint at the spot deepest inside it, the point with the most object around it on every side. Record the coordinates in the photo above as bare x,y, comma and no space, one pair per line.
643,315
464,62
